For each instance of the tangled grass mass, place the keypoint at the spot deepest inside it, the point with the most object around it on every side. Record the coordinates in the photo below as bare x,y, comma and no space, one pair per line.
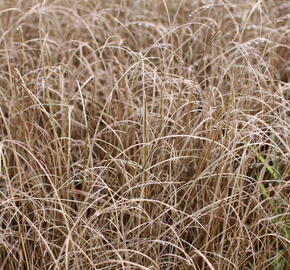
144,135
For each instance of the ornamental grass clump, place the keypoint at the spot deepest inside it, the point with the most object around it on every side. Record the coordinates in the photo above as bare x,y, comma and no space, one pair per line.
144,134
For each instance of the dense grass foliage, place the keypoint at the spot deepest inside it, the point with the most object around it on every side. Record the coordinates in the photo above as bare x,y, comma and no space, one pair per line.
146,134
